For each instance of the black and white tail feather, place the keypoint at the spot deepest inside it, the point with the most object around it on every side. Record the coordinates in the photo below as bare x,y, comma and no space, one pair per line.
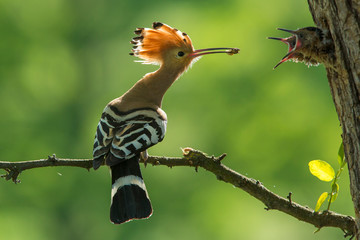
129,198
120,138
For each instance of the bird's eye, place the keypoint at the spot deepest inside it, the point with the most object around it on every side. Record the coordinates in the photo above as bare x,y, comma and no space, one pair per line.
181,53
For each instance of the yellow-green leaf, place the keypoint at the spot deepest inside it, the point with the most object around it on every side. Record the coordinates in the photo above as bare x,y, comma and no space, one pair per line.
321,200
321,170
334,192
341,155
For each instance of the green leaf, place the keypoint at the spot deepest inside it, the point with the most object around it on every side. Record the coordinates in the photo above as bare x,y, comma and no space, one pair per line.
321,170
341,156
321,200
334,192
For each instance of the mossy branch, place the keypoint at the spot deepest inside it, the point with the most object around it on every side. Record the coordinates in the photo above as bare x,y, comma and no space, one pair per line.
196,159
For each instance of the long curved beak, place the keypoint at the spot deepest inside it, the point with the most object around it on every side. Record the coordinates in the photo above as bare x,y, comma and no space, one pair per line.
205,51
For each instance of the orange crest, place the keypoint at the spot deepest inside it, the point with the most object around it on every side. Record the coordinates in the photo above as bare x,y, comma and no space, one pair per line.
152,43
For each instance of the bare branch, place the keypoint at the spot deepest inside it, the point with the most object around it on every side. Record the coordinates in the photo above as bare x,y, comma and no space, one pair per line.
195,158
13,169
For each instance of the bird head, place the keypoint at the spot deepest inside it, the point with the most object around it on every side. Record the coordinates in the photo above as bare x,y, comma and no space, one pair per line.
163,44
302,45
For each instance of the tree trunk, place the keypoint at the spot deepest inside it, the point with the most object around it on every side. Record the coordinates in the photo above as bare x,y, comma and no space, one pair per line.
342,19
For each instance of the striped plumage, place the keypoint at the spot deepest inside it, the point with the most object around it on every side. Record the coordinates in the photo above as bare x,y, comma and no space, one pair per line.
122,135
134,122
119,140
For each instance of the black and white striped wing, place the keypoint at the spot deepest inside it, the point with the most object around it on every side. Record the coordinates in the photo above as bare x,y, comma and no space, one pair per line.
121,136
103,139
132,139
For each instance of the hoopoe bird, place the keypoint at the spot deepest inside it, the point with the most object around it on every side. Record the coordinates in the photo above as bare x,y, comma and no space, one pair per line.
310,45
132,123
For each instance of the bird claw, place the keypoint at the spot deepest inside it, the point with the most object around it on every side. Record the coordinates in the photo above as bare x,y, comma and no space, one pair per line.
144,156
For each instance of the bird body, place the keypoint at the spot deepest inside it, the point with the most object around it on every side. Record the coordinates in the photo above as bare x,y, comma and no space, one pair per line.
132,123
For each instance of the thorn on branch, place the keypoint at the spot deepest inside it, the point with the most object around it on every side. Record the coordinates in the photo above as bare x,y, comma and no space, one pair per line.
220,158
289,197
52,158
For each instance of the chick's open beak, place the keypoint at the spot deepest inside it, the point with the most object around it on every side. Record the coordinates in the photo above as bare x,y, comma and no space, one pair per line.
293,43
287,30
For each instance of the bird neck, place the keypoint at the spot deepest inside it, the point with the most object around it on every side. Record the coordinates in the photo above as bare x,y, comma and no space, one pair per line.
151,89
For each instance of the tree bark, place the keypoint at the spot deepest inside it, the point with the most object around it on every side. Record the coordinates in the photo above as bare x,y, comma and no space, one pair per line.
342,19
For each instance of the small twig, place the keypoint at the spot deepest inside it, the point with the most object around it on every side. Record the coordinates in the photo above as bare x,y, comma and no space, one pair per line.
289,197
195,158
221,157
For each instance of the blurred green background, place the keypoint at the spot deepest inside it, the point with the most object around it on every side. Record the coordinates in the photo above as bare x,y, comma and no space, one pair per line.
62,61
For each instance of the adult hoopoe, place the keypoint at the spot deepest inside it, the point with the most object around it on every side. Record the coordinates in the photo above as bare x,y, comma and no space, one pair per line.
134,122
310,45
